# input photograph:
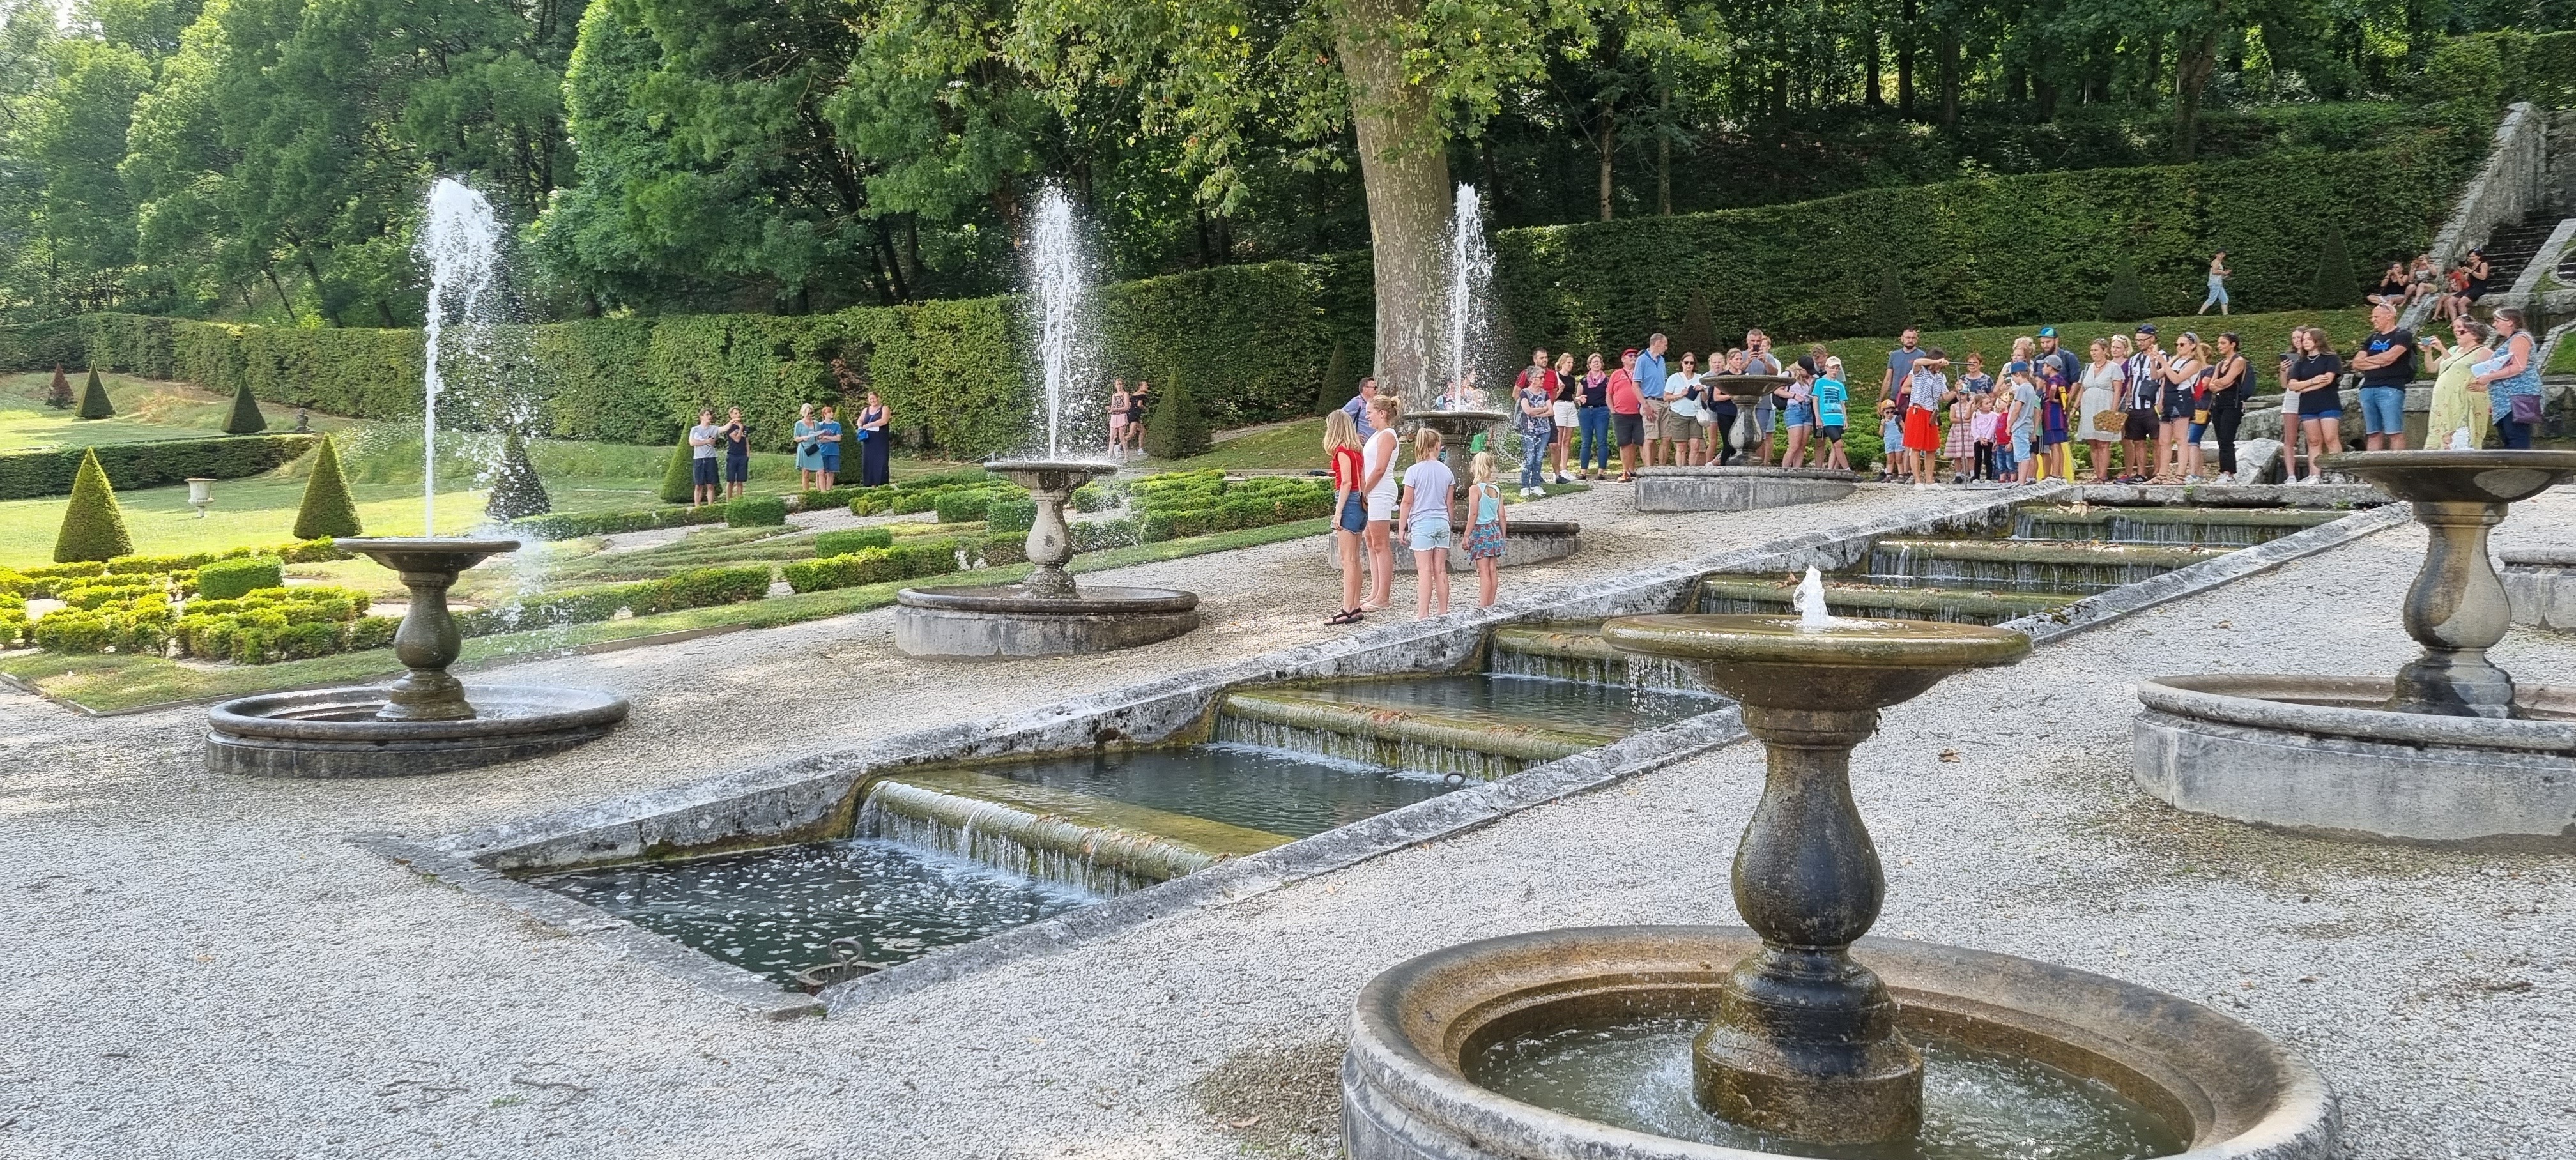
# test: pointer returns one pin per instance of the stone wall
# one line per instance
(2513, 185)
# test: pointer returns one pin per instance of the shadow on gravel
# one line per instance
(1278, 1101)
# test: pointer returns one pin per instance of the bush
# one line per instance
(1888, 313)
(1175, 428)
(873, 566)
(93, 528)
(679, 477)
(94, 404)
(963, 506)
(574, 525)
(2336, 285)
(1010, 515)
(1099, 497)
(33, 474)
(59, 395)
(696, 588)
(843, 543)
(1336, 387)
(327, 511)
(278, 624)
(756, 511)
(225, 579)
(245, 418)
(517, 492)
(2126, 301)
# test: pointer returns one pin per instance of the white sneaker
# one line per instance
(2227, 477)
(2314, 478)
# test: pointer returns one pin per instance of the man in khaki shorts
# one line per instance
(1650, 372)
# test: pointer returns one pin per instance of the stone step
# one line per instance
(1399, 736)
(1046, 833)
(1723, 594)
(1574, 651)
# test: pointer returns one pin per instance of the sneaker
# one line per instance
(1561, 481)
(2191, 479)
(2226, 477)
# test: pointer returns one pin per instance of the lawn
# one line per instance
(146, 410)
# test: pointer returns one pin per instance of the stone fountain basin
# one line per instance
(334, 733)
(999, 622)
(2324, 755)
(1524, 542)
(1736, 489)
(2224, 1086)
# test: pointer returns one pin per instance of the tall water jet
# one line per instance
(1046, 614)
(1471, 278)
(460, 243)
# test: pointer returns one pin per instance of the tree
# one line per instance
(93, 528)
(679, 478)
(1888, 313)
(1699, 327)
(246, 418)
(94, 404)
(327, 509)
(1334, 391)
(518, 490)
(59, 395)
(2336, 284)
(1174, 426)
(2126, 300)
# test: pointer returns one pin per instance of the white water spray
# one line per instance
(1471, 274)
(1058, 284)
(1810, 603)
(461, 244)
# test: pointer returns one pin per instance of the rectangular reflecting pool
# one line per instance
(1512, 699)
(1274, 790)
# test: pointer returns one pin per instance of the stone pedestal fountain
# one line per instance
(1802, 1036)
(425, 722)
(1046, 614)
(2449, 751)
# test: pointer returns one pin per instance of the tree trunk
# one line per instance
(1607, 142)
(1905, 64)
(1664, 158)
(1405, 174)
(1949, 79)
(1869, 85)
(2191, 78)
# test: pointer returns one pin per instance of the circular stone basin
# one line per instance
(991, 623)
(2458, 476)
(335, 733)
(1735, 489)
(1594, 1027)
(1847, 662)
(2325, 755)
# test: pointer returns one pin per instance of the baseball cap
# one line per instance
(1631, 352)
(2146, 328)
(2048, 332)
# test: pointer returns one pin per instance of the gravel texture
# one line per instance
(203, 967)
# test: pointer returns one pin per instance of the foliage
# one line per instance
(842, 543)
(245, 418)
(696, 588)
(29, 474)
(94, 404)
(59, 395)
(1010, 515)
(327, 509)
(271, 624)
(756, 511)
(573, 525)
(1888, 313)
(93, 527)
(679, 476)
(517, 491)
(873, 566)
(226, 579)
(2126, 300)
(2336, 284)
(1175, 427)
(1331, 391)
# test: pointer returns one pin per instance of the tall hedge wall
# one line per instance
(29, 474)
(1251, 341)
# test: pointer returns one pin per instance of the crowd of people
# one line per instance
(2455, 292)
(720, 453)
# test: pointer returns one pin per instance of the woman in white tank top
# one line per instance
(1378, 480)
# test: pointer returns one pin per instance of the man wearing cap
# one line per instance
(1627, 427)
(1649, 373)
(2146, 368)
(1758, 360)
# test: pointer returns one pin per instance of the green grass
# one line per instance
(106, 682)
(1294, 446)
(146, 410)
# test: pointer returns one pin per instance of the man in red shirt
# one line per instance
(1627, 418)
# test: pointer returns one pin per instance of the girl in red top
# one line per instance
(1350, 507)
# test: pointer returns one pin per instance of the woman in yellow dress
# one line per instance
(2459, 400)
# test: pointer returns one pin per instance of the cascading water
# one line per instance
(1059, 284)
(460, 241)
(1471, 277)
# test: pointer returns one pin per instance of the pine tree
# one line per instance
(1888, 314)
(2336, 285)
(327, 509)
(59, 396)
(1174, 428)
(245, 419)
(94, 404)
(1699, 327)
(93, 528)
(518, 491)
(2127, 299)
(679, 480)
(1337, 387)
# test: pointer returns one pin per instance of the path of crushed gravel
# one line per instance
(203, 967)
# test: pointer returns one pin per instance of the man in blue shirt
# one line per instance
(1357, 408)
(1650, 388)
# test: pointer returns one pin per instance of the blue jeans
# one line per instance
(2517, 436)
(2383, 410)
(1595, 431)
(1533, 459)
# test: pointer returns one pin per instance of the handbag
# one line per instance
(2526, 408)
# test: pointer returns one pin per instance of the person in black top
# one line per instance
(2386, 361)
(2393, 288)
(2313, 374)
(737, 454)
(2230, 375)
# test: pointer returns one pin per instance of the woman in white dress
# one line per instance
(2099, 418)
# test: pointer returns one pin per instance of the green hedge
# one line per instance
(33, 474)
(575, 525)
(756, 511)
(281, 624)
(697, 588)
(1010, 515)
(873, 566)
(843, 543)
(226, 579)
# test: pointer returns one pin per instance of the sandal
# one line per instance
(1345, 616)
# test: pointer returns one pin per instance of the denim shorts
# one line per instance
(1429, 532)
(2383, 410)
(1798, 415)
(2021, 443)
(1354, 512)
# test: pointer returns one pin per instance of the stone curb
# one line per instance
(2096, 610)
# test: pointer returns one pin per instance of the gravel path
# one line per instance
(204, 968)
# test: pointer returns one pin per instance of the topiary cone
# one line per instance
(1335, 389)
(1174, 426)
(93, 528)
(94, 404)
(327, 510)
(679, 480)
(517, 491)
(245, 419)
(59, 396)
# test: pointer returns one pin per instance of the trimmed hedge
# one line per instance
(843, 543)
(280, 624)
(227, 579)
(575, 525)
(697, 588)
(93, 527)
(1010, 515)
(326, 509)
(35, 474)
(757, 511)
(873, 566)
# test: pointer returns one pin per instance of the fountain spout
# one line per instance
(1810, 603)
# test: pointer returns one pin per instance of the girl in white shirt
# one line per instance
(1425, 522)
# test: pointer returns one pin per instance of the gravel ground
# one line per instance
(203, 967)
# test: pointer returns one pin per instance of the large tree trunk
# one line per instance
(1949, 79)
(1664, 158)
(1606, 139)
(1905, 63)
(2191, 78)
(1406, 175)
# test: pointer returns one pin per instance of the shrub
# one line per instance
(226, 579)
(679, 477)
(958, 507)
(72, 631)
(1175, 428)
(2336, 285)
(327, 511)
(245, 418)
(1100, 496)
(94, 404)
(696, 588)
(517, 492)
(1336, 387)
(2126, 300)
(574, 525)
(93, 528)
(1010, 515)
(757, 511)
(59, 395)
(843, 543)
(31, 474)
(1888, 313)
(1095, 535)
(873, 566)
